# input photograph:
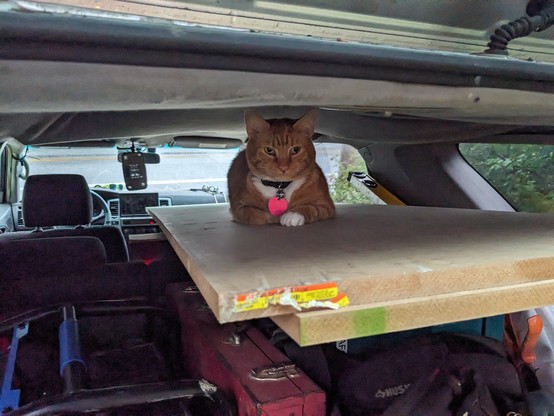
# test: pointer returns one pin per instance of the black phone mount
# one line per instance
(134, 169)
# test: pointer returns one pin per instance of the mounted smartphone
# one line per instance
(134, 170)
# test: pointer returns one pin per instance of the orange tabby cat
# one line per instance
(276, 179)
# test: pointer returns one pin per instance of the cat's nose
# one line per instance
(283, 168)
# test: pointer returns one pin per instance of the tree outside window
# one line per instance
(522, 173)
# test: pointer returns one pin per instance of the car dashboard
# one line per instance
(128, 210)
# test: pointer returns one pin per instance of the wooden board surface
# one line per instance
(311, 328)
(375, 254)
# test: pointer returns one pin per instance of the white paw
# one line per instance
(292, 219)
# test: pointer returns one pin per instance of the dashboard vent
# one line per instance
(114, 207)
(165, 202)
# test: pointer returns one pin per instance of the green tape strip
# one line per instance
(363, 323)
(369, 322)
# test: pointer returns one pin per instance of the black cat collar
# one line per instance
(278, 185)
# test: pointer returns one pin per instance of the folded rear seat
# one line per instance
(39, 272)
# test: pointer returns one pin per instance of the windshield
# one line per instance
(181, 169)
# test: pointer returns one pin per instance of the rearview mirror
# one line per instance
(195, 142)
(148, 158)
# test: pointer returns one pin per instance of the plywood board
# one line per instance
(374, 254)
(311, 328)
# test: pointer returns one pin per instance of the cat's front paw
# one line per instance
(292, 219)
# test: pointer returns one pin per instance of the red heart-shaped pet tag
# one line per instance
(277, 207)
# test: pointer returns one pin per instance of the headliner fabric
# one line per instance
(54, 200)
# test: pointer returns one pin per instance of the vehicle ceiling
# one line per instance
(70, 79)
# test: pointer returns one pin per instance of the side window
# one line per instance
(522, 173)
(336, 161)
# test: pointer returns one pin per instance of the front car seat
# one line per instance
(65, 200)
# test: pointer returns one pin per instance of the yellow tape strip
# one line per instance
(300, 294)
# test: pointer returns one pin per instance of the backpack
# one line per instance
(431, 374)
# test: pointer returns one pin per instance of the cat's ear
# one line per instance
(307, 122)
(255, 124)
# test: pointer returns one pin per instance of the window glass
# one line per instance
(183, 170)
(347, 160)
(522, 173)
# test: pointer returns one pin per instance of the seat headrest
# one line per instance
(51, 200)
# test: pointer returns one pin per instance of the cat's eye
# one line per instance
(270, 150)
(294, 150)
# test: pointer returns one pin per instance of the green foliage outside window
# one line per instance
(341, 189)
(523, 174)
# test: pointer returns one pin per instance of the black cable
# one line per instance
(542, 17)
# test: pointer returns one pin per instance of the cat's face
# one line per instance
(280, 149)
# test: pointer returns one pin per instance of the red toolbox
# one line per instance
(240, 360)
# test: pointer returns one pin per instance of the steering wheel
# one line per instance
(105, 213)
